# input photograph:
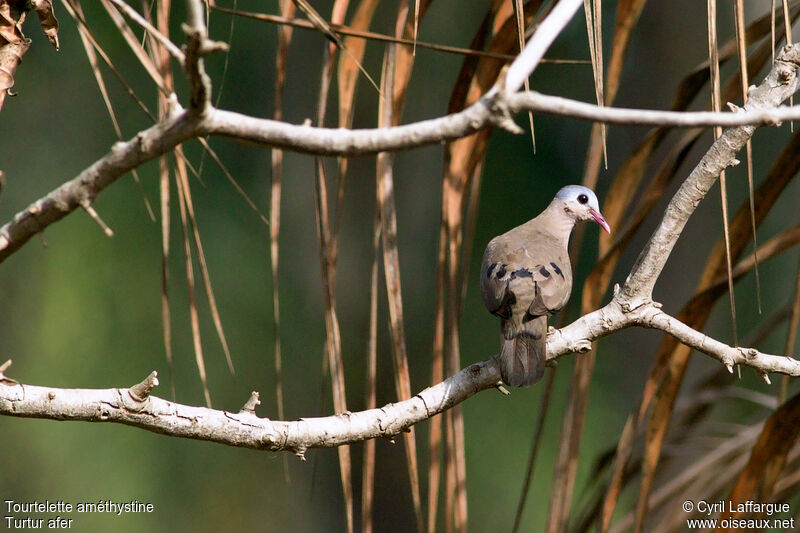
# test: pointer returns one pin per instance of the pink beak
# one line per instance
(600, 220)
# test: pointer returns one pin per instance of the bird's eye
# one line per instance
(583, 198)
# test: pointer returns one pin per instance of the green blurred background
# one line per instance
(84, 310)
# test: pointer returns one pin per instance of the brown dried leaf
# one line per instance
(163, 72)
(11, 19)
(673, 357)
(627, 180)
(337, 16)
(281, 60)
(195, 321)
(405, 28)
(165, 231)
(594, 27)
(156, 74)
(47, 19)
(774, 246)
(212, 302)
(767, 459)
(741, 47)
(328, 247)
(348, 80)
(628, 12)
(6, 79)
(368, 473)
(348, 70)
(333, 339)
(376, 36)
(716, 106)
(75, 10)
(787, 22)
(462, 157)
(437, 375)
(10, 57)
(13, 45)
(391, 267)
(520, 19)
(325, 28)
(86, 32)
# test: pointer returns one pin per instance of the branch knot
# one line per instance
(140, 392)
(500, 114)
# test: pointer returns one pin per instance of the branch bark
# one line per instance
(180, 127)
(136, 407)
(779, 85)
(630, 306)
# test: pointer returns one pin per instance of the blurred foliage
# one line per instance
(84, 310)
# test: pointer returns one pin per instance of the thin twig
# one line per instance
(352, 32)
(132, 14)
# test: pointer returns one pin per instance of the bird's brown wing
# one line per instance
(552, 286)
(497, 297)
(525, 271)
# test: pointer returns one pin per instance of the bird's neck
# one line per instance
(557, 221)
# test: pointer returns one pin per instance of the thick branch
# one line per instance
(485, 113)
(779, 85)
(244, 429)
(163, 137)
(340, 141)
(136, 407)
(617, 315)
(727, 355)
(197, 46)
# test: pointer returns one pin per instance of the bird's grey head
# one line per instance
(581, 203)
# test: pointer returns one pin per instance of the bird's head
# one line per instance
(581, 204)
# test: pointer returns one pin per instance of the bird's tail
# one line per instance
(523, 354)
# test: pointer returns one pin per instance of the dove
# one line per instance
(526, 276)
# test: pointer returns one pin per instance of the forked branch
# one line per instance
(631, 306)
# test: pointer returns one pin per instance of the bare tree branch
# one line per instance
(136, 407)
(618, 314)
(779, 85)
(631, 306)
(556, 105)
(163, 137)
(490, 110)
(197, 46)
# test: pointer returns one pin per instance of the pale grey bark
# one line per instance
(632, 305)
(136, 407)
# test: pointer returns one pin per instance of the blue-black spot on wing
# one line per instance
(521, 273)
